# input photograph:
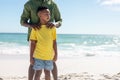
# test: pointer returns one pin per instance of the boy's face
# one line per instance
(44, 15)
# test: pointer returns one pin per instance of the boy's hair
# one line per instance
(41, 8)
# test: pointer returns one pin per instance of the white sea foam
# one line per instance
(66, 49)
(13, 48)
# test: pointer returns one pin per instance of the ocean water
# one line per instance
(70, 45)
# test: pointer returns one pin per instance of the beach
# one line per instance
(14, 67)
(80, 57)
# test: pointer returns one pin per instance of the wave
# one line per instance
(68, 45)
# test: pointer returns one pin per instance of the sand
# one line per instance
(14, 67)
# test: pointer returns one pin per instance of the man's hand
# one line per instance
(50, 25)
(34, 26)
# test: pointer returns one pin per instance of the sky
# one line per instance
(79, 16)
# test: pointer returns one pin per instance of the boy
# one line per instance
(30, 20)
(43, 49)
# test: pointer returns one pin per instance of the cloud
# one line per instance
(110, 4)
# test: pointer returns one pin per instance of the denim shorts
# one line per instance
(43, 64)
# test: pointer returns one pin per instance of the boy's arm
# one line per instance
(55, 50)
(32, 48)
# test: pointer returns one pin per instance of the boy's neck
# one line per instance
(43, 22)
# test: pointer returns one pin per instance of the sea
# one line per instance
(69, 45)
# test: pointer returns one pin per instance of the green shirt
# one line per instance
(29, 14)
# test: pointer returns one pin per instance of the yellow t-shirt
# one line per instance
(44, 46)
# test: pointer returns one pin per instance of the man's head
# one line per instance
(43, 14)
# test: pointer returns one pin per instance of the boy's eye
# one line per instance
(47, 14)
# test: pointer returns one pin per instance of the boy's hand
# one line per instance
(55, 59)
(31, 61)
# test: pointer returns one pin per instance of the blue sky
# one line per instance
(79, 16)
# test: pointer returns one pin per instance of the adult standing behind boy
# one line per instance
(30, 19)
(44, 47)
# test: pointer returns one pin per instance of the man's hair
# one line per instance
(41, 8)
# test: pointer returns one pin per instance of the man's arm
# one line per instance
(55, 50)
(57, 16)
(25, 17)
(32, 48)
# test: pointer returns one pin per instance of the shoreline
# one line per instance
(72, 76)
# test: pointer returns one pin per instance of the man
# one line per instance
(30, 19)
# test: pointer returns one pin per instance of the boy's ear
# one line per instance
(38, 14)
